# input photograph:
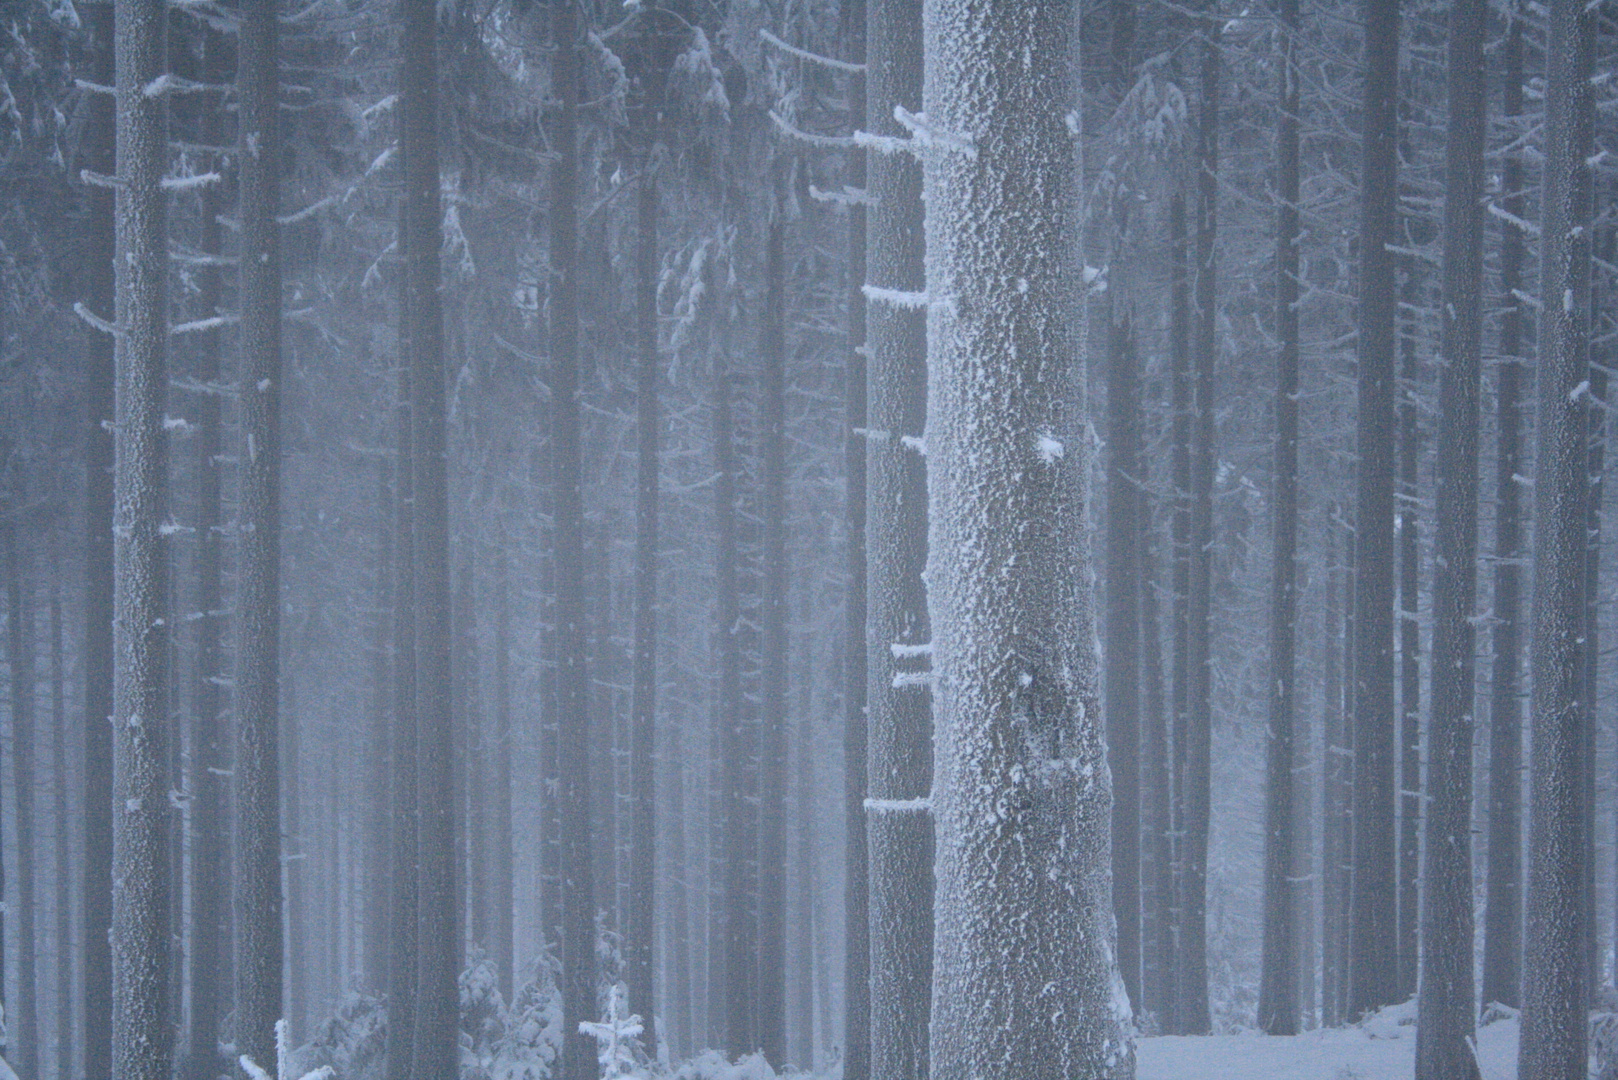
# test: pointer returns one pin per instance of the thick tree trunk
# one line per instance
(1556, 990)
(257, 881)
(573, 682)
(95, 937)
(1373, 958)
(772, 780)
(1502, 909)
(1446, 1009)
(856, 880)
(1278, 983)
(23, 1053)
(639, 936)
(1020, 797)
(898, 639)
(142, 1038)
(435, 1047)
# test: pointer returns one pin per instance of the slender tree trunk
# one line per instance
(856, 888)
(1407, 502)
(142, 1039)
(435, 1042)
(95, 938)
(257, 881)
(899, 832)
(500, 818)
(1199, 690)
(1180, 578)
(1335, 837)
(23, 1053)
(1157, 937)
(63, 846)
(1373, 957)
(470, 771)
(1555, 990)
(1446, 1009)
(1278, 985)
(573, 682)
(379, 743)
(1592, 633)
(1502, 910)
(1020, 797)
(639, 936)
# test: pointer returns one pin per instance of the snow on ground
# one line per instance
(1383, 1048)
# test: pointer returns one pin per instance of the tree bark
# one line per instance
(1180, 579)
(502, 867)
(1373, 958)
(1335, 790)
(23, 1052)
(1446, 1008)
(1278, 984)
(1020, 798)
(63, 858)
(257, 881)
(899, 832)
(142, 1038)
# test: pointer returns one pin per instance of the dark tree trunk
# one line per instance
(1278, 985)
(1446, 1009)
(1335, 795)
(899, 832)
(210, 732)
(63, 858)
(257, 880)
(435, 1047)
(142, 1038)
(573, 681)
(98, 591)
(23, 1052)
(1502, 910)
(1373, 956)
(471, 762)
(1194, 1017)
(1556, 991)
(639, 937)
(501, 859)
(1407, 515)
(378, 747)
(1157, 909)
(1180, 578)
(856, 896)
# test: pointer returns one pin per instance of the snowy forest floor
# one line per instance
(1382, 1048)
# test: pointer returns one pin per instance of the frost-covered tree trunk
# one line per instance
(23, 1018)
(899, 758)
(210, 751)
(142, 1036)
(856, 881)
(577, 885)
(1024, 929)
(1373, 967)
(435, 1047)
(1502, 908)
(641, 928)
(1446, 1017)
(1555, 987)
(772, 781)
(95, 933)
(257, 880)
(1278, 980)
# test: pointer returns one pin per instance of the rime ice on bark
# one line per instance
(1025, 980)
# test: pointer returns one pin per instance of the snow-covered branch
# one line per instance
(813, 58)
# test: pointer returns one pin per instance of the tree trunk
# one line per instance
(1555, 990)
(1407, 516)
(1180, 579)
(1021, 795)
(142, 1038)
(378, 743)
(573, 682)
(1334, 789)
(63, 858)
(1157, 925)
(470, 772)
(899, 833)
(1446, 1009)
(257, 881)
(501, 876)
(98, 272)
(1502, 909)
(1278, 985)
(1194, 1017)
(856, 880)
(1373, 958)
(639, 936)
(23, 1052)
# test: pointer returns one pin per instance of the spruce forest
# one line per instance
(850, 539)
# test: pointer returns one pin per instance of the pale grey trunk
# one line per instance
(1023, 907)
(1555, 990)
(257, 880)
(23, 1052)
(142, 1038)
(501, 858)
(899, 752)
(1446, 1008)
(63, 846)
